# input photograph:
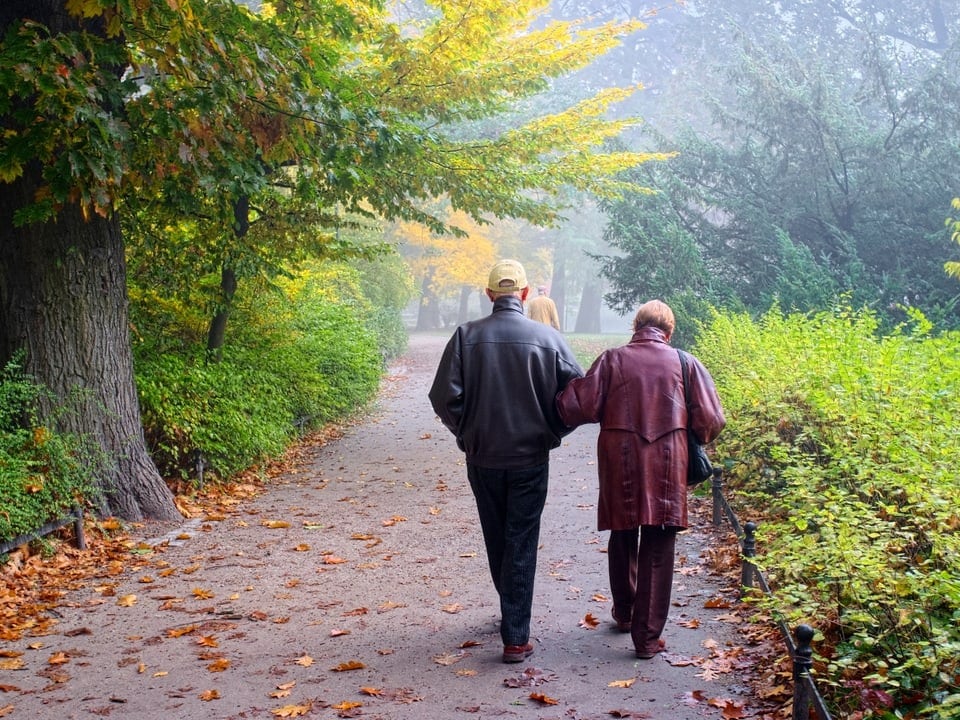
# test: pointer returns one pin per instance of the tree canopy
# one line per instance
(287, 115)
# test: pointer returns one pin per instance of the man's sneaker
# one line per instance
(517, 653)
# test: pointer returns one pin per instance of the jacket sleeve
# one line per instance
(706, 414)
(446, 393)
(581, 401)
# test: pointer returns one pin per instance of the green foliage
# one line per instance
(844, 443)
(43, 474)
(305, 355)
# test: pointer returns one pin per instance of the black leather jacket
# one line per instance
(496, 386)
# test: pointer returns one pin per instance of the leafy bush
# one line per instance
(42, 473)
(844, 444)
(299, 356)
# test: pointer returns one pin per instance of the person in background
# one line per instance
(636, 394)
(543, 309)
(495, 389)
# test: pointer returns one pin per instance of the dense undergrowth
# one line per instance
(302, 352)
(843, 445)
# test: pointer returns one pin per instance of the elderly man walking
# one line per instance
(495, 390)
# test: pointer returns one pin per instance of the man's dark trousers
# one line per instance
(510, 503)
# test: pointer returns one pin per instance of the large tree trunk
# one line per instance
(63, 298)
(588, 316)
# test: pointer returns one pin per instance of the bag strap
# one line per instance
(685, 377)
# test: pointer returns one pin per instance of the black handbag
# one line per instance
(699, 467)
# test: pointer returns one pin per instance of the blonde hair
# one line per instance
(655, 313)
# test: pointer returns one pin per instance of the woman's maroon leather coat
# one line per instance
(635, 392)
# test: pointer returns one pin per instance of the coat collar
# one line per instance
(649, 334)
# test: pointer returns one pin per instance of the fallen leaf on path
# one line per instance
(336, 632)
(692, 623)
(127, 601)
(202, 593)
(6, 710)
(275, 524)
(732, 710)
(218, 665)
(543, 699)
(589, 622)
(292, 710)
(347, 705)
(208, 695)
(305, 660)
(59, 658)
(356, 612)
(208, 641)
(452, 608)
(14, 664)
(179, 632)
(333, 560)
(469, 644)
(622, 683)
(349, 665)
(389, 605)
(302, 547)
(449, 658)
(597, 597)
(717, 603)
(375, 692)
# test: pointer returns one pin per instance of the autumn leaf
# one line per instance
(218, 665)
(13, 664)
(717, 603)
(732, 710)
(622, 683)
(288, 711)
(275, 524)
(59, 658)
(372, 691)
(302, 547)
(283, 691)
(179, 632)
(598, 597)
(333, 560)
(127, 601)
(452, 608)
(305, 660)
(349, 665)
(208, 641)
(543, 699)
(208, 695)
(347, 705)
(449, 658)
(356, 612)
(6, 710)
(589, 622)
(692, 623)
(202, 593)
(469, 644)
(337, 632)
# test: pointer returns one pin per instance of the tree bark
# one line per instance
(63, 298)
(588, 316)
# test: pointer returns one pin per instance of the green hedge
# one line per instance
(843, 444)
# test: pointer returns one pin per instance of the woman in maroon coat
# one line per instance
(636, 394)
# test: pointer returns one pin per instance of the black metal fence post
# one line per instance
(749, 551)
(802, 662)
(717, 489)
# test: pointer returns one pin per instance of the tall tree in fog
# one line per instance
(821, 156)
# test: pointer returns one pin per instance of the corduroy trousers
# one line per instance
(641, 581)
(510, 503)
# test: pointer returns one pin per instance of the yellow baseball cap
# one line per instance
(507, 276)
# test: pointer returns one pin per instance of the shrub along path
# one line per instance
(355, 585)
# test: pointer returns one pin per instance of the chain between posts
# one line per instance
(806, 696)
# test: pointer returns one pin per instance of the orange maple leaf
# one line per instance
(349, 665)
(179, 632)
(208, 695)
(202, 593)
(589, 622)
(208, 641)
(275, 524)
(306, 661)
(347, 705)
(218, 665)
(127, 601)
(544, 699)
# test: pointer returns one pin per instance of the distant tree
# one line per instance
(826, 167)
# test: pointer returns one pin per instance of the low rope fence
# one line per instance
(806, 696)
